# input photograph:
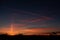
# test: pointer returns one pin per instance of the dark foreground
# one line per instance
(25, 37)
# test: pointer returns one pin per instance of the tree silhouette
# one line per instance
(53, 33)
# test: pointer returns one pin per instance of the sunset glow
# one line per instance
(29, 17)
(12, 30)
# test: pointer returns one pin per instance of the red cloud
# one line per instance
(43, 18)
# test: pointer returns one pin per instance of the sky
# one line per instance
(38, 16)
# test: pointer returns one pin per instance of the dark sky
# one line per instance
(30, 14)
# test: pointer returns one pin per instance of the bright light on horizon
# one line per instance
(12, 30)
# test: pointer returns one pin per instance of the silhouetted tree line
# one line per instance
(25, 37)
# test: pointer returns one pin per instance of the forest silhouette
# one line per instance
(53, 35)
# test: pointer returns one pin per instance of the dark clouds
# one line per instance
(32, 13)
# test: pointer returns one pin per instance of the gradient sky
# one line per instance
(30, 14)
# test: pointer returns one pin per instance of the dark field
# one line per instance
(28, 37)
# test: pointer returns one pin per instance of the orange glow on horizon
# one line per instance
(12, 30)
